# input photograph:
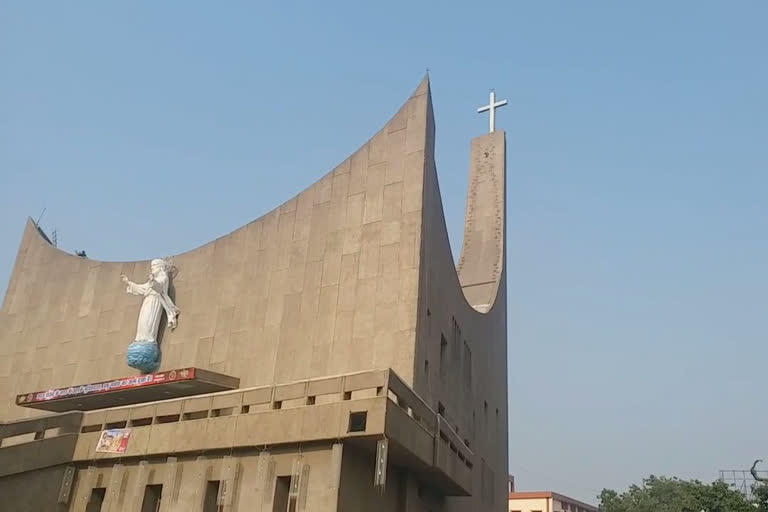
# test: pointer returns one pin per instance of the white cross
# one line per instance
(492, 106)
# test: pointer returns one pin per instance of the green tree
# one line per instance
(760, 492)
(662, 494)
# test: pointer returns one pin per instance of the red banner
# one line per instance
(109, 386)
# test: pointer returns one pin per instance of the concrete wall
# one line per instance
(325, 284)
(32, 491)
(357, 491)
(461, 350)
(403, 492)
(531, 505)
(253, 489)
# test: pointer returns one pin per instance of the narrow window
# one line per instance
(141, 422)
(211, 496)
(443, 355)
(282, 490)
(96, 499)
(455, 346)
(171, 418)
(152, 495)
(357, 421)
(467, 368)
(196, 415)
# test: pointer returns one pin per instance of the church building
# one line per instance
(328, 356)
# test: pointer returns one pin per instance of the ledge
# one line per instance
(129, 390)
(311, 411)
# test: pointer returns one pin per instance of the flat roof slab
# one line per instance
(129, 390)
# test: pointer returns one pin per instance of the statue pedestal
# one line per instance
(150, 387)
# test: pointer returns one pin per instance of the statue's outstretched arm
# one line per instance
(131, 287)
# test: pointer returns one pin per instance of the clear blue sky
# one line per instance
(638, 172)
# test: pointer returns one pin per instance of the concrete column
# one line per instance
(135, 497)
(114, 496)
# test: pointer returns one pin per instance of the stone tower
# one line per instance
(329, 356)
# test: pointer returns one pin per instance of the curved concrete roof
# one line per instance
(338, 278)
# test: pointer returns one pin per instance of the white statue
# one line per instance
(156, 300)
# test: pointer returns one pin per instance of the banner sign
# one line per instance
(139, 381)
(114, 440)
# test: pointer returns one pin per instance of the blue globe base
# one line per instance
(144, 356)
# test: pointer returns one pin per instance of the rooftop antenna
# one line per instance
(54, 236)
(37, 223)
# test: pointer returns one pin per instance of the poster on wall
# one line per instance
(114, 440)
